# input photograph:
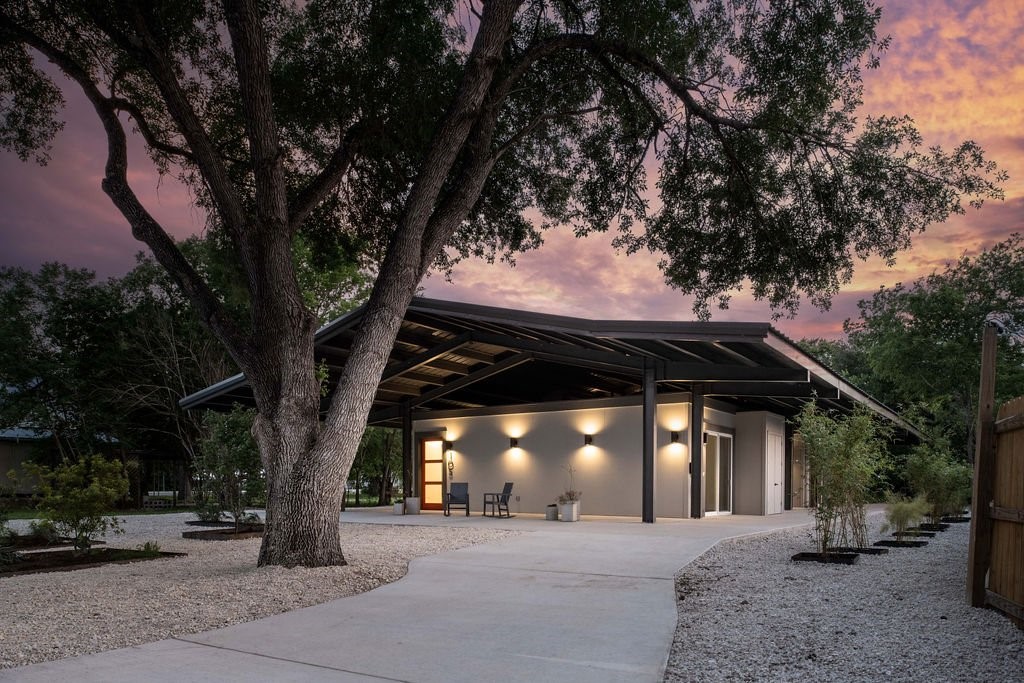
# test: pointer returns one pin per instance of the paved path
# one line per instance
(591, 601)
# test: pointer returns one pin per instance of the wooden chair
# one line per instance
(498, 502)
(456, 497)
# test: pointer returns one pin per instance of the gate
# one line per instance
(997, 511)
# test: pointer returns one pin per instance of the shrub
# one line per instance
(75, 496)
(150, 548)
(944, 482)
(903, 513)
(845, 456)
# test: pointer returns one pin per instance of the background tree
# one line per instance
(228, 464)
(378, 462)
(58, 347)
(922, 341)
(419, 132)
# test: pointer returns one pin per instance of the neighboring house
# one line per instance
(18, 446)
(670, 419)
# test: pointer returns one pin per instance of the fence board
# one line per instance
(1006, 562)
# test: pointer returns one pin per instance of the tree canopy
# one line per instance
(922, 340)
(722, 135)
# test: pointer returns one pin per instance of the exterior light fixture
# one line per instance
(704, 437)
(448, 446)
(513, 442)
(588, 439)
(674, 436)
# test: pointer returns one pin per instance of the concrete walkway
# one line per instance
(591, 601)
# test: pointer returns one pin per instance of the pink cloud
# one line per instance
(955, 67)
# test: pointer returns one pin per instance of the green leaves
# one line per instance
(76, 497)
(228, 463)
(845, 455)
(922, 340)
(29, 102)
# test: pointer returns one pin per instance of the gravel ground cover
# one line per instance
(747, 613)
(56, 615)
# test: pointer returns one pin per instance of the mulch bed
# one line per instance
(829, 558)
(218, 524)
(70, 560)
(870, 550)
(902, 544)
(246, 531)
(37, 543)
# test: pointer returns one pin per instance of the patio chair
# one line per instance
(498, 502)
(456, 497)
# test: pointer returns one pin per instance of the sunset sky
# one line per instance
(956, 67)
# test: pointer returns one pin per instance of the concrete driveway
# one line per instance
(588, 601)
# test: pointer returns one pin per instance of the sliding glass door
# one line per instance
(717, 474)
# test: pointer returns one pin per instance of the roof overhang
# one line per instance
(457, 356)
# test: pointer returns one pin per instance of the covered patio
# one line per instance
(672, 387)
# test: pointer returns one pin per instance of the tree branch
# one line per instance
(249, 45)
(329, 178)
(536, 123)
(115, 184)
(147, 132)
(144, 47)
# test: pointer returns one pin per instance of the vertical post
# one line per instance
(407, 449)
(979, 553)
(696, 451)
(787, 502)
(650, 392)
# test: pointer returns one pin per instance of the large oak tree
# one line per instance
(720, 134)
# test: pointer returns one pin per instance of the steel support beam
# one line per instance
(696, 451)
(426, 357)
(715, 372)
(472, 378)
(407, 449)
(650, 394)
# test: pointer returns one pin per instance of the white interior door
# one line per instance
(774, 482)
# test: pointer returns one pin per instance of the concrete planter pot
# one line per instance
(551, 513)
(399, 508)
(569, 512)
(412, 505)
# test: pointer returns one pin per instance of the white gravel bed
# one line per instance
(748, 613)
(64, 614)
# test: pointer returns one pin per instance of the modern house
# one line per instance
(656, 419)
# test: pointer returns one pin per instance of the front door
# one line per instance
(432, 467)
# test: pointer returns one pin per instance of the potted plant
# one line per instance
(399, 507)
(569, 500)
(900, 515)
(844, 454)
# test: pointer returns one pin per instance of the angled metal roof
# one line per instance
(24, 434)
(459, 356)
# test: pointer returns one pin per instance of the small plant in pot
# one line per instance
(900, 514)
(569, 500)
(845, 455)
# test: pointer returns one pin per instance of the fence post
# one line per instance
(980, 551)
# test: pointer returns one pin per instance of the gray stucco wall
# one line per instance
(608, 472)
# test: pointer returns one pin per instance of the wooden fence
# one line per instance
(997, 528)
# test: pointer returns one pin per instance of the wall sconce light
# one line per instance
(588, 439)
(674, 437)
(513, 442)
(704, 437)
(448, 446)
